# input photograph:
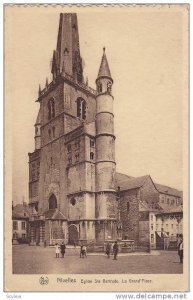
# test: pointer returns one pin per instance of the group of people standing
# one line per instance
(60, 249)
(112, 248)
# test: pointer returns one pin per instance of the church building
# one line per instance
(72, 192)
(75, 194)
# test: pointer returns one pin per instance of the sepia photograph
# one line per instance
(96, 148)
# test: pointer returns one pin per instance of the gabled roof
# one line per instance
(168, 190)
(54, 214)
(131, 183)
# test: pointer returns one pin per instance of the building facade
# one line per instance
(72, 193)
(145, 217)
(20, 223)
(75, 194)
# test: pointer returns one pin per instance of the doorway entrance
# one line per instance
(72, 235)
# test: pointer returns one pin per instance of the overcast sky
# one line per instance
(145, 51)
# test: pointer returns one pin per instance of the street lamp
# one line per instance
(119, 223)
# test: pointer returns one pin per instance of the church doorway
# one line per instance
(72, 235)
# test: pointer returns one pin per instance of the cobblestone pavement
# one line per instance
(39, 260)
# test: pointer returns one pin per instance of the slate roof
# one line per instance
(168, 190)
(130, 182)
(18, 216)
(169, 210)
(104, 67)
(20, 211)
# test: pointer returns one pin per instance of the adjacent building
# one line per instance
(146, 218)
(20, 222)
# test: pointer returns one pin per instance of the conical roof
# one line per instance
(104, 70)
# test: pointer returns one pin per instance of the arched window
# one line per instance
(52, 202)
(51, 109)
(91, 155)
(81, 108)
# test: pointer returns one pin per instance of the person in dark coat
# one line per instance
(115, 250)
(108, 249)
(180, 250)
(62, 249)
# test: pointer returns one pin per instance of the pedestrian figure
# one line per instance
(115, 251)
(62, 249)
(74, 244)
(81, 251)
(44, 243)
(57, 248)
(84, 251)
(108, 249)
(112, 248)
(180, 250)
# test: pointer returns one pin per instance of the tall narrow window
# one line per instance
(69, 147)
(49, 133)
(53, 132)
(15, 225)
(81, 108)
(91, 143)
(51, 109)
(128, 206)
(91, 155)
(77, 157)
(23, 225)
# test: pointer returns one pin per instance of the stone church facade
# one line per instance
(72, 170)
(75, 194)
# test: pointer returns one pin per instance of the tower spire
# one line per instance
(67, 53)
(104, 70)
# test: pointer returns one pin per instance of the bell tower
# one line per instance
(105, 154)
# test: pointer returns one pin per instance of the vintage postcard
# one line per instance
(96, 148)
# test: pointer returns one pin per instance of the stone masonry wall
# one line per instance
(129, 204)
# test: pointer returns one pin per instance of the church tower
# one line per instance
(72, 169)
(106, 204)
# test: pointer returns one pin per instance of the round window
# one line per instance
(73, 201)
